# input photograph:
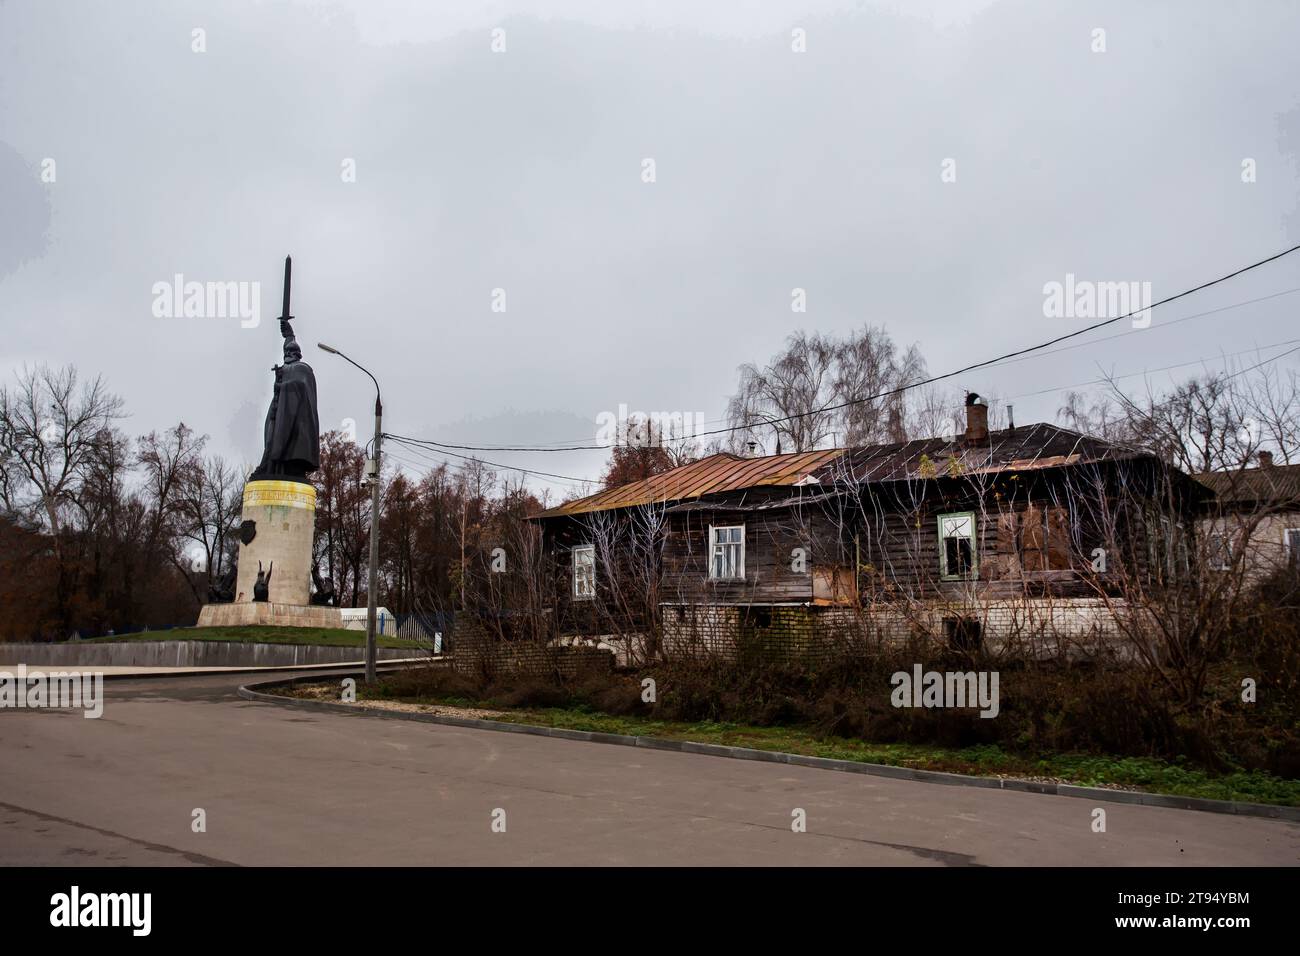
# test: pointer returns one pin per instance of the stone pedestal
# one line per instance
(263, 613)
(285, 516)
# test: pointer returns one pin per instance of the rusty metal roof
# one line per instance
(1267, 484)
(717, 473)
(1027, 448)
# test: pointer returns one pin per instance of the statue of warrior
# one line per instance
(262, 586)
(291, 435)
(324, 595)
(222, 591)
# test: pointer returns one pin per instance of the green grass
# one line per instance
(1130, 773)
(262, 634)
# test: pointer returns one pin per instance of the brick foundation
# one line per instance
(480, 652)
(1035, 627)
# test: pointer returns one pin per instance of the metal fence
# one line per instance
(429, 631)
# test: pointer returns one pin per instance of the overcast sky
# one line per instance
(522, 169)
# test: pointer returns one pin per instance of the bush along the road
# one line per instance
(1086, 722)
(1233, 714)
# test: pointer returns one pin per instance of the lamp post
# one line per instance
(372, 473)
(775, 430)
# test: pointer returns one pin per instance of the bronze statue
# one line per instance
(291, 435)
(262, 586)
(222, 591)
(324, 595)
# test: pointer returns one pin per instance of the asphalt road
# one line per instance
(283, 786)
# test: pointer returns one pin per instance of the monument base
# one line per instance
(266, 613)
(282, 518)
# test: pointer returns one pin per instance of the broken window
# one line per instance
(957, 554)
(727, 550)
(964, 634)
(584, 571)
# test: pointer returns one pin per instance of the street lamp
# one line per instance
(372, 474)
(776, 430)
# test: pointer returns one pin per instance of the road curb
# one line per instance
(256, 692)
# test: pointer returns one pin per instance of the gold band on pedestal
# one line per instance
(281, 494)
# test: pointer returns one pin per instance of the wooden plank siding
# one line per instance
(770, 560)
(1036, 534)
(1033, 538)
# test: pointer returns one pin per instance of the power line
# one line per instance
(417, 445)
(1163, 325)
(1166, 368)
(560, 445)
(414, 444)
(1032, 348)
(1006, 357)
(427, 464)
(416, 448)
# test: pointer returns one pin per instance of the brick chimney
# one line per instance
(1266, 459)
(977, 419)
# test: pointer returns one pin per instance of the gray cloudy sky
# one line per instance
(521, 170)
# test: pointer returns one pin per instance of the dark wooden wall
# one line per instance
(771, 537)
(1037, 532)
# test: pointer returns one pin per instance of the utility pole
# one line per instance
(372, 588)
(463, 514)
(372, 475)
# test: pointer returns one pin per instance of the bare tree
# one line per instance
(1270, 403)
(50, 429)
(787, 396)
(870, 370)
(209, 502)
(822, 388)
(1100, 417)
(1197, 426)
(1175, 584)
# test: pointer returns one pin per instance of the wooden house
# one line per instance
(982, 538)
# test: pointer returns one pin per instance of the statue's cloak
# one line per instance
(293, 446)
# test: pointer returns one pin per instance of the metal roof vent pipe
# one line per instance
(977, 419)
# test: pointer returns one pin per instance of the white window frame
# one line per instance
(972, 537)
(578, 594)
(1226, 552)
(1287, 555)
(1286, 539)
(1168, 538)
(738, 565)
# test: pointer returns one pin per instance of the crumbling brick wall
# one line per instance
(479, 651)
(1028, 627)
